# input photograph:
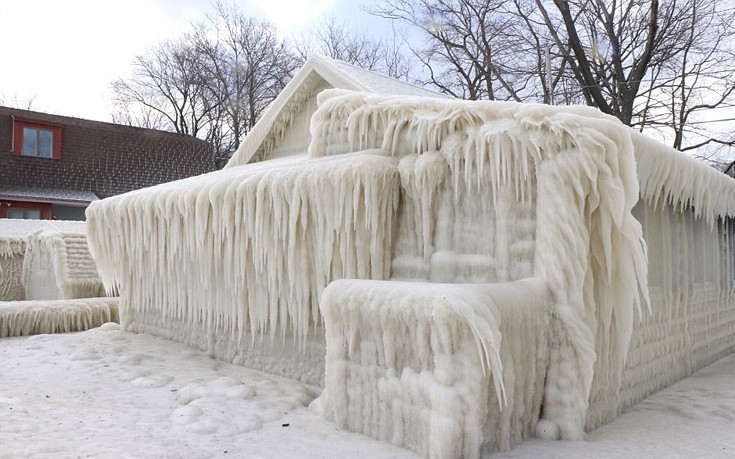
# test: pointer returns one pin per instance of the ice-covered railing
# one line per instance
(447, 370)
(589, 248)
(21, 318)
(246, 251)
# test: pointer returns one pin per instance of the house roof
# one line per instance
(47, 195)
(317, 72)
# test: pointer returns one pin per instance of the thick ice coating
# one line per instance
(582, 166)
(46, 260)
(246, 252)
(423, 364)
(20, 318)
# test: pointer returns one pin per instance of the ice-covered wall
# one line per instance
(588, 247)
(235, 261)
(691, 279)
(11, 268)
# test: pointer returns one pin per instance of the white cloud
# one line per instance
(65, 54)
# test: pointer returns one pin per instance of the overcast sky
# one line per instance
(63, 54)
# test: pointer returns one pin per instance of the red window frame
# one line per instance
(19, 124)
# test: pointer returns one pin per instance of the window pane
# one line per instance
(45, 139)
(29, 142)
(15, 213)
(32, 214)
(20, 213)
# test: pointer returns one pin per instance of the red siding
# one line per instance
(43, 207)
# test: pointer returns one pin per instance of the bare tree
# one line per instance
(166, 90)
(338, 41)
(16, 102)
(650, 63)
(692, 87)
(213, 83)
(472, 49)
(246, 66)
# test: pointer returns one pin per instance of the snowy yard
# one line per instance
(107, 393)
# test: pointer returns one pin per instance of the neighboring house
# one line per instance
(52, 167)
(283, 129)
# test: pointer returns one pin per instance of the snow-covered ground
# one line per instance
(107, 393)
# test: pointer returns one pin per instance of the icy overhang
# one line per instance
(669, 176)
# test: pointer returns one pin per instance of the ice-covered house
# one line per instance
(48, 279)
(475, 272)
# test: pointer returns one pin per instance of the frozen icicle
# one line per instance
(421, 177)
(260, 242)
(671, 177)
(11, 246)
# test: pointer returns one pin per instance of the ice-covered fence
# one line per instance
(446, 370)
(20, 318)
(234, 261)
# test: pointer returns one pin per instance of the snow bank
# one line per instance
(443, 369)
(19, 318)
(245, 252)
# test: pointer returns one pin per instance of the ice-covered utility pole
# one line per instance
(548, 75)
